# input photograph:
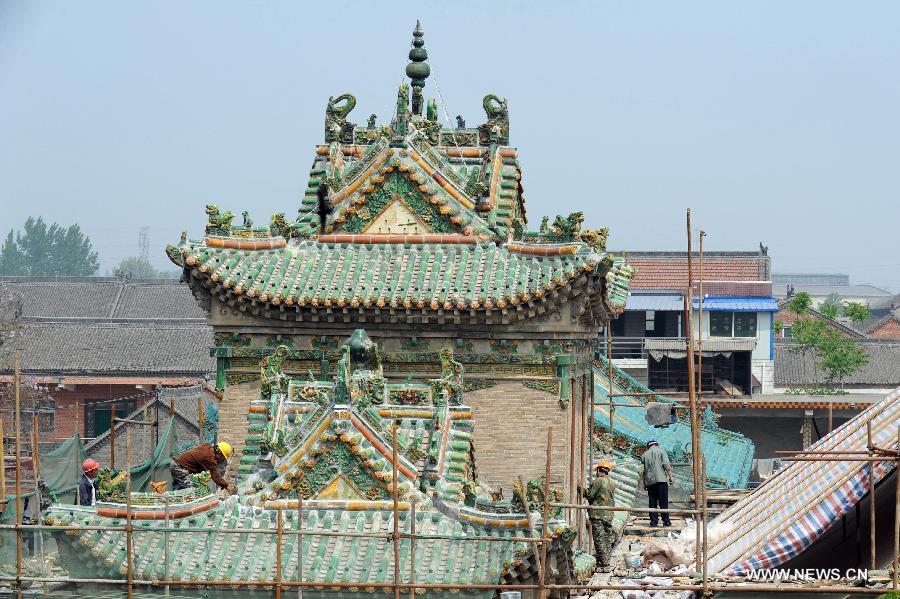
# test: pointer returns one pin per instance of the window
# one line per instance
(650, 322)
(786, 332)
(732, 324)
(745, 324)
(720, 323)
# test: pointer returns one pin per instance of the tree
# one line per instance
(48, 251)
(831, 306)
(830, 311)
(135, 267)
(856, 311)
(807, 334)
(800, 304)
(840, 357)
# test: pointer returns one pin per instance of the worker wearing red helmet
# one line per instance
(87, 484)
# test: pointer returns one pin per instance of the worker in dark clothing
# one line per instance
(87, 484)
(657, 477)
(602, 492)
(205, 458)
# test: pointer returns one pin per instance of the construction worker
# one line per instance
(657, 476)
(205, 458)
(602, 492)
(87, 484)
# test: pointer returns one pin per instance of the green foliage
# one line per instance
(814, 390)
(856, 311)
(48, 251)
(830, 311)
(807, 332)
(800, 304)
(840, 357)
(778, 326)
(135, 267)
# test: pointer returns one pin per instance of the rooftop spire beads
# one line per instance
(418, 70)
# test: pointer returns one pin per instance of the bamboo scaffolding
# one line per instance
(129, 547)
(895, 574)
(18, 422)
(872, 548)
(36, 469)
(700, 318)
(3, 463)
(545, 516)
(581, 458)
(299, 544)
(695, 432)
(714, 587)
(412, 550)
(396, 536)
(278, 549)
(112, 437)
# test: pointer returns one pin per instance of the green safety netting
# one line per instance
(60, 470)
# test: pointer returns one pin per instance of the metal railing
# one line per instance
(632, 347)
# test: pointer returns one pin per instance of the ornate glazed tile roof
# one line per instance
(728, 454)
(410, 215)
(455, 274)
(330, 443)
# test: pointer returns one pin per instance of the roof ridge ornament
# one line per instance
(418, 69)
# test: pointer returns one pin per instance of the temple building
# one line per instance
(417, 232)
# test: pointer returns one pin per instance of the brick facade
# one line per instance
(233, 419)
(511, 422)
(888, 328)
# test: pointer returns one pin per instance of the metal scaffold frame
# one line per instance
(539, 542)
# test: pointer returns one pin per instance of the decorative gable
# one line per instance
(397, 194)
(397, 218)
(336, 473)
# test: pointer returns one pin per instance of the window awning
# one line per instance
(724, 344)
(644, 302)
(738, 304)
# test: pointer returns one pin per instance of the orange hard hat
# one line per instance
(605, 464)
(89, 465)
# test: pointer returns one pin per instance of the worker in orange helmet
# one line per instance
(87, 484)
(602, 492)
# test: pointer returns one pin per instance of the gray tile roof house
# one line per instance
(105, 326)
(883, 370)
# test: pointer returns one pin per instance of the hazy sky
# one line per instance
(774, 121)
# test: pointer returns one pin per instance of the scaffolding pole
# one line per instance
(545, 515)
(699, 385)
(396, 536)
(695, 432)
(18, 423)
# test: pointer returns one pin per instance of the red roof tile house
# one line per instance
(886, 328)
(737, 321)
